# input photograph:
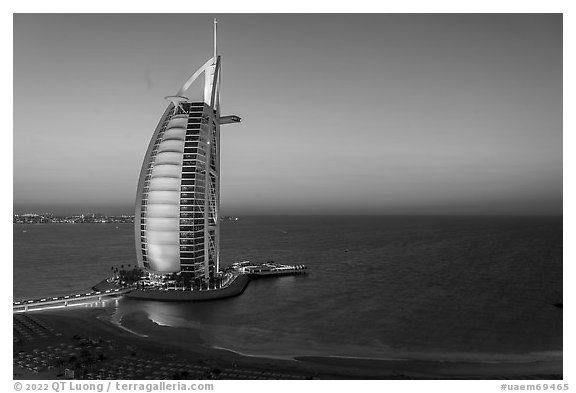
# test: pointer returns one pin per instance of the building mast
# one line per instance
(215, 41)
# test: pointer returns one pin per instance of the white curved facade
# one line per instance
(163, 218)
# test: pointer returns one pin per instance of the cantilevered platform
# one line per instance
(229, 119)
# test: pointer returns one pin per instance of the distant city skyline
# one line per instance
(341, 113)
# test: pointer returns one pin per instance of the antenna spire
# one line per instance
(215, 42)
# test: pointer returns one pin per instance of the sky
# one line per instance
(341, 114)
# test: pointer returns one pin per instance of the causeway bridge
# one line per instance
(66, 301)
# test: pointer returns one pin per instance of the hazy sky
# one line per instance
(381, 113)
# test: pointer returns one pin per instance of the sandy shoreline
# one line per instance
(140, 337)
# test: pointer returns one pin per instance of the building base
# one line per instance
(235, 288)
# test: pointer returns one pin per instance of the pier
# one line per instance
(266, 269)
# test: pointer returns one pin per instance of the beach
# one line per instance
(137, 348)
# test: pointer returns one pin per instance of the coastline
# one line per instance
(136, 334)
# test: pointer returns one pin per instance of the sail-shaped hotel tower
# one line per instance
(178, 198)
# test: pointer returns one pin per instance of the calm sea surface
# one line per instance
(381, 287)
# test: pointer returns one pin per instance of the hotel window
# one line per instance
(191, 254)
(184, 221)
(191, 195)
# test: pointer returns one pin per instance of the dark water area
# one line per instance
(380, 287)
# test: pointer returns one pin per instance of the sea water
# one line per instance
(376, 287)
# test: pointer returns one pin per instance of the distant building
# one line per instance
(178, 198)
